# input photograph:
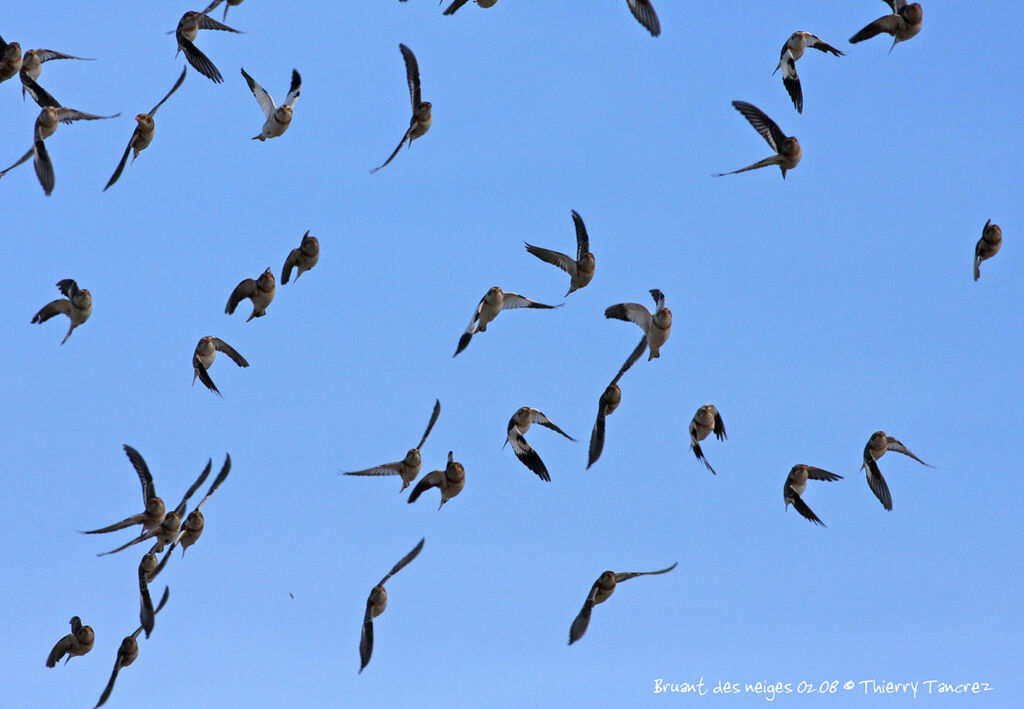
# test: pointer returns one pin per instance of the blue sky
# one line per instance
(811, 311)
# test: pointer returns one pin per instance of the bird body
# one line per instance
(259, 290)
(988, 245)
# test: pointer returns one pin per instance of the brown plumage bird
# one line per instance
(77, 306)
(656, 327)
(142, 136)
(449, 481)
(609, 401)
(188, 27)
(153, 507)
(409, 467)
(421, 119)
(705, 421)
(78, 642)
(988, 246)
(875, 448)
(303, 258)
(904, 22)
(796, 483)
(376, 603)
(792, 50)
(600, 592)
(787, 148)
(580, 269)
(127, 653)
(202, 359)
(259, 290)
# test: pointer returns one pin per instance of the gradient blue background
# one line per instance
(812, 311)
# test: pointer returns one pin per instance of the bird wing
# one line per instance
(221, 346)
(44, 166)
(888, 24)
(208, 23)
(625, 575)
(631, 360)
(142, 470)
(455, 6)
(894, 445)
(245, 289)
(395, 152)
(802, 507)
(180, 509)
(59, 650)
(538, 417)
(643, 11)
(385, 469)
(204, 375)
(555, 258)
(293, 90)
(199, 61)
(582, 620)
(122, 163)
(221, 477)
(819, 474)
(433, 419)
(582, 239)
(68, 115)
(526, 454)
(40, 95)
(434, 478)
(821, 46)
(876, 481)
(55, 307)
(174, 88)
(719, 428)
(514, 300)
(404, 561)
(412, 75)
(761, 123)
(366, 637)
(632, 312)
(262, 97)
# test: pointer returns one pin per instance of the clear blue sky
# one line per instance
(812, 311)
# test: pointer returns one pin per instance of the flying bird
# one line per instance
(278, 119)
(127, 653)
(45, 126)
(78, 642)
(303, 258)
(375, 605)
(600, 592)
(705, 421)
(787, 147)
(580, 269)
(609, 401)
(494, 301)
(796, 483)
(153, 507)
(449, 481)
(142, 136)
(188, 27)
(32, 67)
(656, 327)
(10, 59)
(902, 24)
(409, 467)
(792, 50)
(644, 13)
(988, 246)
(876, 447)
(77, 305)
(260, 291)
(518, 425)
(419, 124)
(206, 352)
(192, 527)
